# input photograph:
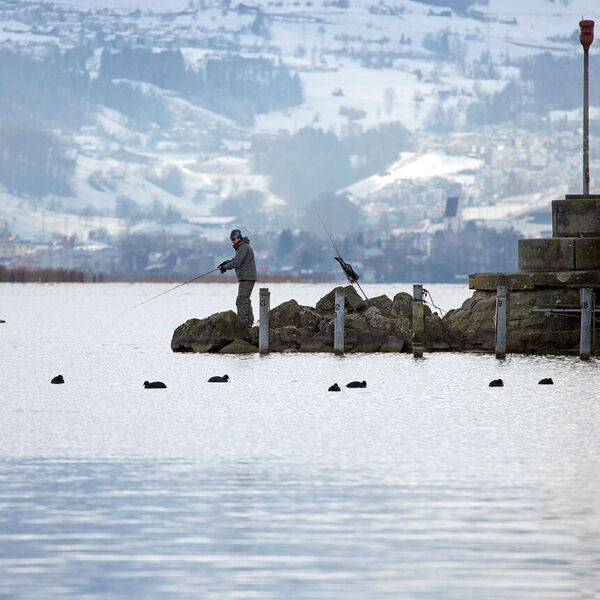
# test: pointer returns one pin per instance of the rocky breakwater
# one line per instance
(544, 298)
(531, 326)
(380, 324)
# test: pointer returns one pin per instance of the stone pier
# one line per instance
(551, 274)
(541, 307)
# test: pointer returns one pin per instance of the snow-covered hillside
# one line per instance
(372, 53)
(361, 64)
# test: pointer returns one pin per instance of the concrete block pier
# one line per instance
(576, 216)
(545, 312)
(575, 242)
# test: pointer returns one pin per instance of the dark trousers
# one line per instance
(243, 303)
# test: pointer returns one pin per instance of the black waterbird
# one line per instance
(357, 384)
(334, 388)
(57, 379)
(219, 379)
(154, 384)
(496, 383)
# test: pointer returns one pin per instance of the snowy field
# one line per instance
(326, 46)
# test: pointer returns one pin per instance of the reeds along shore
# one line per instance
(42, 275)
(75, 276)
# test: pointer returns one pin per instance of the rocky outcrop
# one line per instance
(292, 313)
(353, 302)
(239, 347)
(209, 335)
(380, 324)
(528, 331)
(384, 324)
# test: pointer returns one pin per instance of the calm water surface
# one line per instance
(427, 484)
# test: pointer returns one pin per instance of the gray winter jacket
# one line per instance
(243, 262)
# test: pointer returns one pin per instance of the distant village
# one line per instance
(447, 255)
(165, 130)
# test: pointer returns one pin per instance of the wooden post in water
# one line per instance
(338, 336)
(418, 321)
(263, 324)
(501, 293)
(585, 295)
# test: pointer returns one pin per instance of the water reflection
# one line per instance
(427, 484)
(152, 528)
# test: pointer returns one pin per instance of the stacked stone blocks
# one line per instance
(575, 242)
(550, 276)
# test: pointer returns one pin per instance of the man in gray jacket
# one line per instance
(245, 269)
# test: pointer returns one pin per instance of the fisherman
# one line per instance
(245, 269)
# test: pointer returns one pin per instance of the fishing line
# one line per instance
(428, 293)
(332, 242)
(171, 289)
(363, 292)
(350, 273)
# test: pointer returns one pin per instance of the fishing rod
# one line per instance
(171, 289)
(350, 273)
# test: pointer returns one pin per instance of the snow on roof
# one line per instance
(210, 220)
(413, 166)
(152, 227)
(509, 208)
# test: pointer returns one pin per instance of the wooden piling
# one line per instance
(585, 338)
(338, 338)
(418, 321)
(263, 326)
(501, 295)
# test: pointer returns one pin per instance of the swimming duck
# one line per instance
(57, 379)
(496, 383)
(357, 384)
(334, 388)
(219, 379)
(546, 381)
(154, 384)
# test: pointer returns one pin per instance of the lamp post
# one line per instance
(586, 37)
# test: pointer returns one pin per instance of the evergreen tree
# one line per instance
(286, 242)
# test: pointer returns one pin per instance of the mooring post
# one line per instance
(585, 295)
(338, 336)
(593, 319)
(501, 293)
(418, 321)
(263, 325)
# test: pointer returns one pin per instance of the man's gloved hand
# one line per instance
(221, 267)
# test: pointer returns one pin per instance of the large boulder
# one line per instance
(239, 347)
(402, 305)
(353, 302)
(393, 344)
(320, 342)
(210, 334)
(437, 335)
(397, 326)
(286, 338)
(291, 313)
(527, 331)
(369, 332)
(473, 322)
(383, 303)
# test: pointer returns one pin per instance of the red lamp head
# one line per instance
(586, 33)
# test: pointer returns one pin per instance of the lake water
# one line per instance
(426, 485)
